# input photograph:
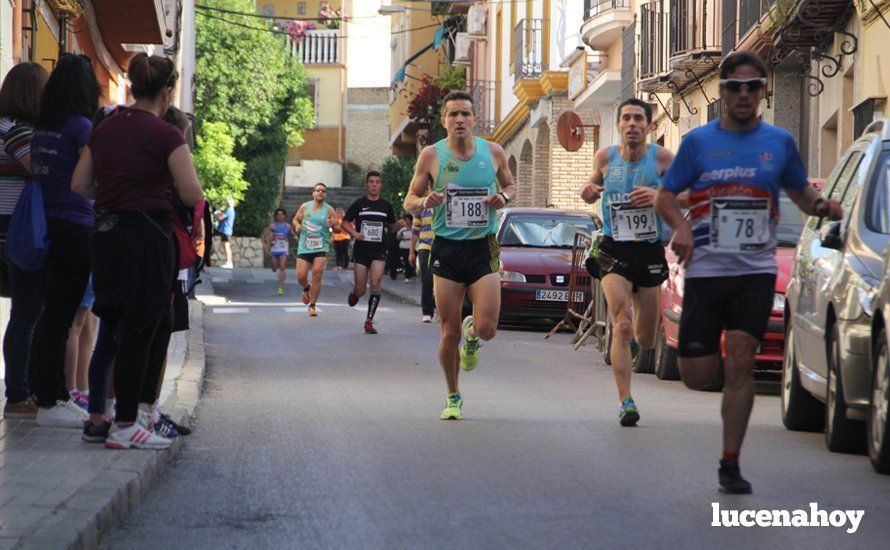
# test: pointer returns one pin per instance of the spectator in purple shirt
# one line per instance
(69, 100)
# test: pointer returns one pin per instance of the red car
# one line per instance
(536, 259)
(771, 352)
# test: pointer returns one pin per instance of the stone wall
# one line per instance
(246, 252)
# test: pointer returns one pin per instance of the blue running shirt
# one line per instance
(734, 180)
(621, 220)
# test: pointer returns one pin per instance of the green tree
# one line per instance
(246, 79)
(221, 174)
(397, 173)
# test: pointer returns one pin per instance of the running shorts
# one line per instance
(641, 263)
(310, 257)
(278, 254)
(710, 304)
(365, 255)
(465, 261)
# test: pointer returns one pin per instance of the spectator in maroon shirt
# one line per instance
(128, 166)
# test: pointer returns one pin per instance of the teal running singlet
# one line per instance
(621, 220)
(463, 216)
(315, 236)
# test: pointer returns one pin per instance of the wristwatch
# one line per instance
(506, 198)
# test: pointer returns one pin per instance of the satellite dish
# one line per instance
(570, 131)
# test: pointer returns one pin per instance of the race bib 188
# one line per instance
(373, 231)
(632, 224)
(465, 207)
(740, 224)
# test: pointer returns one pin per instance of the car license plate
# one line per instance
(556, 295)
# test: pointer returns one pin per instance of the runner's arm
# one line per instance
(808, 200)
(417, 198)
(593, 189)
(297, 222)
(506, 183)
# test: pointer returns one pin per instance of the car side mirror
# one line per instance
(830, 236)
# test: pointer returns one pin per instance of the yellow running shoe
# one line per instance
(469, 352)
(453, 407)
(281, 292)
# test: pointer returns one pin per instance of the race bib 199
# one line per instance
(465, 207)
(313, 242)
(632, 224)
(739, 224)
(373, 231)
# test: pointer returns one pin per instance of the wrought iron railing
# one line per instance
(528, 49)
(716, 109)
(653, 58)
(693, 26)
(484, 93)
(319, 47)
(592, 8)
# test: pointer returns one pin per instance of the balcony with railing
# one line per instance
(680, 43)
(318, 47)
(603, 21)
(484, 93)
(739, 18)
(528, 50)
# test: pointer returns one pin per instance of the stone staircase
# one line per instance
(339, 197)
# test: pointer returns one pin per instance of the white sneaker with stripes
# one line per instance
(134, 436)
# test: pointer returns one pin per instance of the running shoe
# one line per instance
(369, 327)
(280, 291)
(165, 429)
(427, 319)
(93, 433)
(352, 299)
(469, 352)
(64, 414)
(731, 480)
(306, 295)
(453, 406)
(628, 415)
(134, 436)
(312, 312)
(79, 399)
(183, 430)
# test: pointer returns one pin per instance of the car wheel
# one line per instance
(666, 367)
(878, 429)
(842, 435)
(800, 410)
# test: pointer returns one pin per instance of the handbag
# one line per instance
(27, 244)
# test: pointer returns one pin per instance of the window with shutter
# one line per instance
(730, 15)
(628, 62)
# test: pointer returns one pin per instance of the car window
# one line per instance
(878, 216)
(838, 183)
(547, 231)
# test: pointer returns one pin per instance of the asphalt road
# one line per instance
(311, 434)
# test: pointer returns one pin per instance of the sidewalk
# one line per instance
(58, 492)
(408, 293)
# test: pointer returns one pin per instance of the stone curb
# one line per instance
(405, 298)
(94, 509)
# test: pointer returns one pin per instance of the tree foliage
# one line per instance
(246, 80)
(221, 174)
(397, 173)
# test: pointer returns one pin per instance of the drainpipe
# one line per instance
(17, 32)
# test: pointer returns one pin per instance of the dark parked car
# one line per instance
(536, 259)
(827, 375)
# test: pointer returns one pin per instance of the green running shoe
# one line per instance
(628, 415)
(453, 407)
(469, 352)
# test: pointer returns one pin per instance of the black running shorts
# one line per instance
(641, 263)
(310, 256)
(465, 261)
(366, 254)
(710, 304)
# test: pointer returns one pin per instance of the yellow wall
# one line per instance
(329, 96)
(288, 8)
(875, 61)
(47, 51)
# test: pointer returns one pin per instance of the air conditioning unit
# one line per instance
(476, 19)
(461, 49)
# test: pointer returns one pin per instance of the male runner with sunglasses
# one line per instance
(630, 260)
(734, 168)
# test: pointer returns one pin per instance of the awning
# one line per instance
(437, 41)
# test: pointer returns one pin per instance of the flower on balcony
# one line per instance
(298, 29)
(329, 17)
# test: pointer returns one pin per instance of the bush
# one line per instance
(397, 173)
(221, 174)
(353, 175)
(255, 211)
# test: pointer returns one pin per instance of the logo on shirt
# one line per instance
(736, 172)
(616, 172)
(481, 164)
